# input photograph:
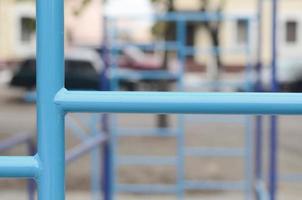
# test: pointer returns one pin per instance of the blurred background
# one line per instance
(160, 45)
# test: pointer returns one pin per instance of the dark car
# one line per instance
(82, 71)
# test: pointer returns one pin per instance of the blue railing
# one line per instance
(47, 167)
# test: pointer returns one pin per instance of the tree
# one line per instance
(213, 28)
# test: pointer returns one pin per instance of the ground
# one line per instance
(17, 116)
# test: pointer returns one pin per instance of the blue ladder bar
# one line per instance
(180, 102)
(50, 118)
(47, 167)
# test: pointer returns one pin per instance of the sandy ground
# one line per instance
(78, 195)
(17, 117)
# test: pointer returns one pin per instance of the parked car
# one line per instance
(289, 76)
(140, 69)
(82, 71)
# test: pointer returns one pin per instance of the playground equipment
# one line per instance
(90, 143)
(182, 51)
(21, 139)
(47, 166)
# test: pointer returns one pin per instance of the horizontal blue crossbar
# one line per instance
(180, 102)
(175, 16)
(174, 46)
(137, 132)
(15, 140)
(295, 177)
(147, 188)
(19, 167)
(216, 119)
(214, 185)
(214, 152)
(143, 74)
(147, 160)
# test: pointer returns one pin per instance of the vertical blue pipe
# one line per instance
(249, 140)
(181, 41)
(273, 165)
(248, 158)
(31, 185)
(249, 57)
(107, 168)
(114, 85)
(95, 161)
(50, 79)
(105, 86)
(258, 88)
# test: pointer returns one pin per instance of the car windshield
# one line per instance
(79, 67)
(28, 66)
(71, 66)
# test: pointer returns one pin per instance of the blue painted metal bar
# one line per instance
(147, 160)
(180, 102)
(214, 152)
(261, 191)
(211, 119)
(249, 56)
(273, 159)
(172, 46)
(294, 177)
(107, 161)
(249, 151)
(112, 145)
(215, 185)
(158, 45)
(76, 129)
(50, 118)
(85, 147)
(12, 142)
(181, 30)
(138, 132)
(31, 184)
(189, 51)
(105, 86)
(175, 16)
(147, 188)
(19, 167)
(127, 74)
(95, 159)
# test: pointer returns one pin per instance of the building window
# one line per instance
(28, 28)
(242, 31)
(291, 31)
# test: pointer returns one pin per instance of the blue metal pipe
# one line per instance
(14, 141)
(19, 167)
(90, 144)
(106, 149)
(95, 159)
(259, 119)
(180, 102)
(175, 16)
(273, 160)
(173, 46)
(147, 188)
(31, 184)
(215, 185)
(50, 118)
